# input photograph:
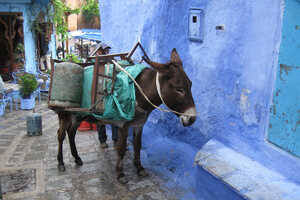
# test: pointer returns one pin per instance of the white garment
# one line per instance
(1, 85)
(43, 60)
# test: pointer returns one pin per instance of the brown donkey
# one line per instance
(165, 83)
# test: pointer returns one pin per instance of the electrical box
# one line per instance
(196, 28)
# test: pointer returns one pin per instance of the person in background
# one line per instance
(59, 52)
(103, 137)
(103, 49)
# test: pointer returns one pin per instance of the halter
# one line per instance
(159, 91)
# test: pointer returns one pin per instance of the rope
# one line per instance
(142, 92)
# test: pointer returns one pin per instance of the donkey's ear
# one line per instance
(175, 57)
(163, 68)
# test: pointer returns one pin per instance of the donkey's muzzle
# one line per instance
(189, 118)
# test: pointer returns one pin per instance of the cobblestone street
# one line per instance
(32, 162)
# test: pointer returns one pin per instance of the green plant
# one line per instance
(48, 71)
(61, 11)
(28, 84)
(19, 54)
(19, 48)
(35, 26)
(72, 58)
(90, 9)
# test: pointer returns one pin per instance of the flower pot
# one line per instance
(27, 104)
(84, 126)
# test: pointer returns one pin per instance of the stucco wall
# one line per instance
(29, 11)
(234, 67)
(233, 70)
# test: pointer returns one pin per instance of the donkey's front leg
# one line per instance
(137, 144)
(121, 150)
(71, 134)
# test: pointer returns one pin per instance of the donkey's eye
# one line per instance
(180, 91)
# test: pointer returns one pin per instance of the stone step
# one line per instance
(246, 176)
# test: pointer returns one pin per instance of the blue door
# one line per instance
(284, 128)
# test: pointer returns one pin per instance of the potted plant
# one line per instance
(28, 84)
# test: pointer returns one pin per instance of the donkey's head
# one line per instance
(174, 88)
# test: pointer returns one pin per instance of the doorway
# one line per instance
(284, 127)
(12, 54)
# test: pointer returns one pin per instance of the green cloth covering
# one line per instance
(121, 104)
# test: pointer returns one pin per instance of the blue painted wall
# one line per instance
(29, 9)
(284, 129)
(233, 72)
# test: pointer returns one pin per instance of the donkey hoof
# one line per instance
(61, 168)
(142, 173)
(122, 179)
(78, 162)
(103, 145)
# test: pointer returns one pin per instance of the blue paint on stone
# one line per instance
(211, 188)
(232, 70)
(29, 9)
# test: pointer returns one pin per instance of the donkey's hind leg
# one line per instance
(61, 134)
(137, 144)
(121, 150)
(71, 134)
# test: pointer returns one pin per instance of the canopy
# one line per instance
(87, 34)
